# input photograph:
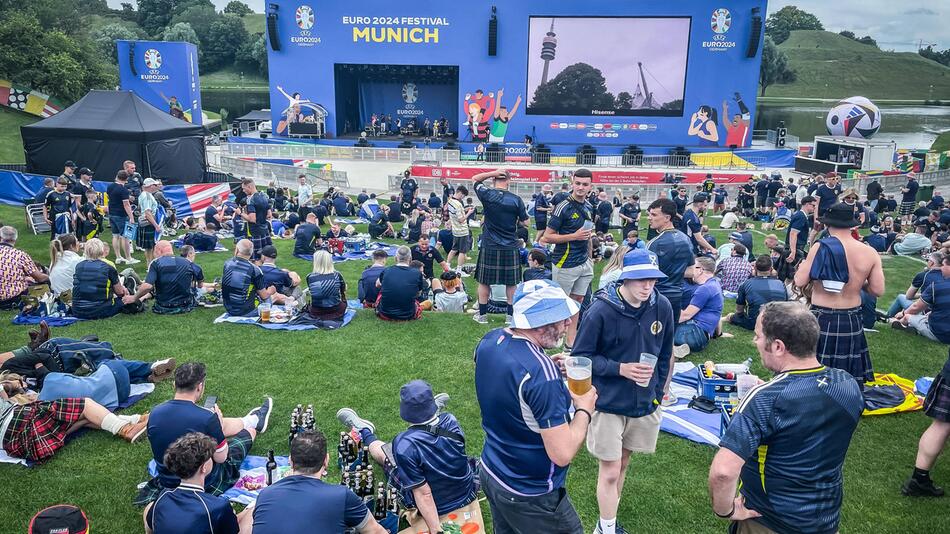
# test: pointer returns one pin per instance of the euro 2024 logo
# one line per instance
(410, 93)
(721, 20)
(304, 17)
(153, 59)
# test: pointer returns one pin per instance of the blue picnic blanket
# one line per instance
(347, 256)
(922, 385)
(252, 469)
(21, 319)
(345, 220)
(325, 325)
(683, 421)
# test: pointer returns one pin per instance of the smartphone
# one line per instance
(210, 401)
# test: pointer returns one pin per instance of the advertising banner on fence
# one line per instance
(632, 177)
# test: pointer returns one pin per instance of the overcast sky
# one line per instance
(895, 24)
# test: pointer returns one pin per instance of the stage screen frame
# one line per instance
(534, 60)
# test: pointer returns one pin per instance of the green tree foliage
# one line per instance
(154, 15)
(624, 100)
(579, 86)
(181, 31)
(941, 56)
(781, 23)
(867, 40)
(199, 17)
(775, 67)
(848, 34)
(675, 105)
(236, 7)
(128, 12)
(225, 37)
(254, 54)
(96, 7)
(106, 36)
(49, 61)
(60, 15)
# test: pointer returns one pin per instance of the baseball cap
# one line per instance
(537, 303)
(70, 163)
(149, 182)
(85, 170)
(61, 518)
(270, 251)
(416, 402)
(640, 264)
(700, 197)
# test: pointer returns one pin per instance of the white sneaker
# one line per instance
(480, 319)
(132, 261)
(119, 261)
(681, 351)
(463, 274)
(669, 399)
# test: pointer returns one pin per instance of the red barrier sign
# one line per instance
(600, 177)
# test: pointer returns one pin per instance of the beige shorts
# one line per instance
(574, 280)
(609, 434)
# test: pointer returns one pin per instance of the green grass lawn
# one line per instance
(11, 144)
(230, 78)
(831, 66)
(363, 365)
(941, 143)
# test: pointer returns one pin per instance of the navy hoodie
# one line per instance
(613, 332)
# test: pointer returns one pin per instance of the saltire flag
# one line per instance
(193, 200)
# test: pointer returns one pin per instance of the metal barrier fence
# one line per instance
(281, 175)
(698, 161)
(892, 184)
(309, 151)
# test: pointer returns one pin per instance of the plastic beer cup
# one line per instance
(647, 359)
(264, 311)
(578, 370)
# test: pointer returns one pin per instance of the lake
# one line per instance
(909, 126)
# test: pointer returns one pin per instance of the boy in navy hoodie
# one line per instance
(627, 320)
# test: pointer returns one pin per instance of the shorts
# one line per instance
(609, 434)
(462, 244)
(574, 280)
(742, 320)
(117, 224)
(749, 526)
(937, 403)
(907, 208)
(498, 266)
(416, 315)
(540, 225)
(145, 237)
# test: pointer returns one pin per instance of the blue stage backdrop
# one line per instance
(161, 71)
(406, 101)
(600, 71)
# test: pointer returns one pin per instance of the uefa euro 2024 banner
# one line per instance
(649, 73)
(164, 74)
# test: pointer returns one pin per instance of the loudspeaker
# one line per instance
(236, 131)
(494, 153)
(755, 36)
(272, 35)
(780, 133)
(132, 59)
(406, 144)
(541, 154)
(632, 155)
(586, 155)
(493, 33)
(451, 145)
(263, 135)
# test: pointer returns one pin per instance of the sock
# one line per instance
(159, 362)
(367, 436)
(509, 309)
(250, 421)
(921, 475)
(483, 308)
(112, 424)
(134, 418)
(608, 526)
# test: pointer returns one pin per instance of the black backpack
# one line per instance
(130, 280)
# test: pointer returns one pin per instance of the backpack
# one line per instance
(131, 281)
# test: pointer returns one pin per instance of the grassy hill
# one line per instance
(831, 66)
(11, 145)
(254, 23)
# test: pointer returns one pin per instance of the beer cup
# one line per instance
(647, 359)
(264, 311)
(578, 370)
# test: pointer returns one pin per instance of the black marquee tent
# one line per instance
(105, 128)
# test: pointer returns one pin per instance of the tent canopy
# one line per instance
(255, 115)
(105, 128)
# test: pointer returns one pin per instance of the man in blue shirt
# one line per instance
(242, 282)
(256, 214)
(936, 202)
(171, 280)
(630, 215)
(693, 226)
(187, 508)
(796, 238)
(380, 225)
(673, 250)
(755, 292)
(935, 296)
(542, 208)
(499, 257)
(530, 434)
(233, 437)
(367, 290)
(307, 236)
(57, 209)
(303, 502)
(626, 320)
(428, 461)
(408, 188)
(719, 198)
(909, 199)
(699, 321)
(788, 437)
(681, 200)
(284, 281)
(761, 191)
(569, 230)
(827, 194)
(342, 205)
(399, 285)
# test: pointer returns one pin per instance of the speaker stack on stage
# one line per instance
(493, 32)
(756, 35)
(586, 155)
(679, 157)
(632, 155)
(494, 153)
(541, 154)
(272, 34)
(780, 134)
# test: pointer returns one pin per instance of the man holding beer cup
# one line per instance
(531, 436)
(627, 335)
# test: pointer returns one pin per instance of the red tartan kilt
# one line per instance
(38, 429)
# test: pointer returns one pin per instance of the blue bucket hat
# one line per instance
(735, 235)
(640, 264)
(541, 302)
(416, 402)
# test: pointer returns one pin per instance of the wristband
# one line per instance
(730, 514)
(589, 416)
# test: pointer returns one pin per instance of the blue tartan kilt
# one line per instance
(841, 341)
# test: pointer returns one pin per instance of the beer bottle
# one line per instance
(365, 458)
(310, 421)
(346, 479)
(270, 466)
(379, 507)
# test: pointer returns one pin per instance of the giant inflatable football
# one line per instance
(854, 117)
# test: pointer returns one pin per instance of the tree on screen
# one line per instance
(673, 105)
(624, 100)
(579, 87)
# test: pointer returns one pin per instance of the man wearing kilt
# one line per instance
(256, 215)
(499, 261)
(837, 268)
(935, 296)
(148, 224)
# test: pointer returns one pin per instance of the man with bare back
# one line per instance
(838, 267)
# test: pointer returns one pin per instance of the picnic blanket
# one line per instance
(683, 421)
(322, 325)
(137, 392)
(347, 256)
(253, 477)
(21, 319)
(218, 247)
(922, 385)
(346, 220)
